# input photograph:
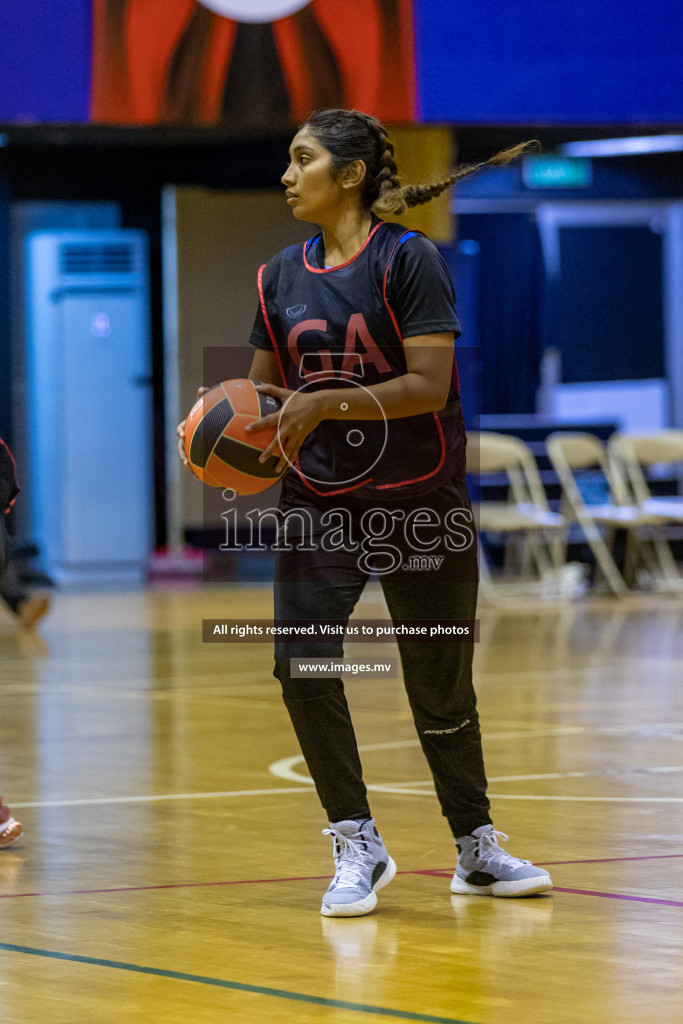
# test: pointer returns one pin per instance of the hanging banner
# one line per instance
(264, 64)
(250, 64)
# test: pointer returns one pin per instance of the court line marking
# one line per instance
(171, 885)
(598, 772)
(436, 872)
(616, 860)
(589, 799)
(238, 986)
(555, 863)
(393, 788)
(590, 892)
(620, 896)
(640, 729)
(285, 769)
(86, 801)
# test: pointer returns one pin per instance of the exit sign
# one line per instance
(556, 172)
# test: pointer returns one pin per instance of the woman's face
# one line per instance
(312, 192)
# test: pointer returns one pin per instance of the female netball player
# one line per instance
(354, 335)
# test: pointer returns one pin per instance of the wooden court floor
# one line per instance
(172, 864)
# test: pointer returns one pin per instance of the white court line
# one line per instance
(598, 773)
(592, 799)
(161, 796)
(284, 769)
(398, 790)
(392, 788)
(406, 791)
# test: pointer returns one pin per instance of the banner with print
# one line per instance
(253, 64)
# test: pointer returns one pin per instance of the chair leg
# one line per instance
(630, 559)
(557, 545)
(539, 548)
(660, 565)
(667, 563)
(604, 559)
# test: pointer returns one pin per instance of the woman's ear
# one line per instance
(354, 174)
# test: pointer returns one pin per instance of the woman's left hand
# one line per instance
(298, 416)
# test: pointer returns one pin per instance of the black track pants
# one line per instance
(325, 581)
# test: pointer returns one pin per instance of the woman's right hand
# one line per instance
(180, 431)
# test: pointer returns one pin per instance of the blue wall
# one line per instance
(45, 60)
(547, 61)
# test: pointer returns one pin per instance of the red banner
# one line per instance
(186, 62)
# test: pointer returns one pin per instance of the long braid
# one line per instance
(353, 135)
(415, 195)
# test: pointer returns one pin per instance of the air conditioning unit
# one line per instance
(89, 402)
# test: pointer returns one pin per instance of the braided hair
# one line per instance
(352, 135)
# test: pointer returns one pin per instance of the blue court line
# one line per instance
(278, 993)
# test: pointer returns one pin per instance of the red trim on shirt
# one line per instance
(384, 287)
(267, 322)
(329, 494)
(405, 483)
(418, 479)
(329, 270)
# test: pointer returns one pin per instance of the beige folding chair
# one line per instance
(572, 451)
(532, 531)
(638, 455)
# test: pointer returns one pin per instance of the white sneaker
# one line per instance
(362, 867)
(484, 869)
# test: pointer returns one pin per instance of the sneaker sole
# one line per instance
(9, 833)
(361, 907)
(521, 887)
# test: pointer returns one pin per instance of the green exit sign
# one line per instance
(556, 172)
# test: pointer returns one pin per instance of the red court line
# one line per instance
(436, 872)
(170, 885)
(620, 896)
(550, 863)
